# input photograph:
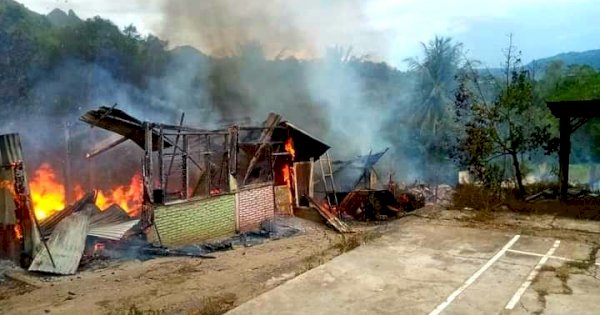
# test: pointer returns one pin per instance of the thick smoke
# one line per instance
(293, 58)
(300, 28)
(326, 96)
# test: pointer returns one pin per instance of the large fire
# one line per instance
(48, 193)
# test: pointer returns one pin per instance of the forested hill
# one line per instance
(589, 57)
(55, 67)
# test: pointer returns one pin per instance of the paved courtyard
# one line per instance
(427, 267)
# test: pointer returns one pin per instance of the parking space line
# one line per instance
(517, 296)
(551, 257)
(474, 277)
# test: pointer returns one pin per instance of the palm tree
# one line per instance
(436, 82)
(434, 91)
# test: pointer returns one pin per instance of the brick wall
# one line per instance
(254, 205)
(194, 221)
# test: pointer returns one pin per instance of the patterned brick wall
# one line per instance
(254, 205)
(194, 221)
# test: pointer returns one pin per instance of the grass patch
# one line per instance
(311, 262)
(348, 242)
(134, 310)
(474, 197)
(585, 207)
(215, 305)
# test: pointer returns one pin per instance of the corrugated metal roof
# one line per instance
(114, 231)
(66, 245)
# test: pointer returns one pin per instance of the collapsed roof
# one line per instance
(349, 174)
(117, 121)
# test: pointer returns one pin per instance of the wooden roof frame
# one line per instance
(572, 114)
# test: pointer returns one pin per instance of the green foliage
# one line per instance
(514, 125)
(580, 83)
(431, 126)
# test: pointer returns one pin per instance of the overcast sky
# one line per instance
(388, 30)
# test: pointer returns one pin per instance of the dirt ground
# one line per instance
(180, 285)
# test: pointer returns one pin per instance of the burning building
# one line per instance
(199, 184)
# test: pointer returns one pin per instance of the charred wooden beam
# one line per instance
(185, 169)
(161, 164)
(147, 165)
(232, 149)
(174, 149)
(119, 122)
(105, 146)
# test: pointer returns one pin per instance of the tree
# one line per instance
(514, 125)
(431, 125)
(436, 81)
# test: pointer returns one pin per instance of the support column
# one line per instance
(563, 156)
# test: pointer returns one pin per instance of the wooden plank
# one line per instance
(283, 200)
(329, 217)
(66, 244)
(302, 181)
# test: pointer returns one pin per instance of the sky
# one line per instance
(386, 30)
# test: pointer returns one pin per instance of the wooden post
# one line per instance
(185, 168)
(233, 149)
(161, 161)
(207, 164)
(311, 183)
(563, 156)
(148, 170)
(11, 157)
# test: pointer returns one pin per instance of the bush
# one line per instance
(475, 197)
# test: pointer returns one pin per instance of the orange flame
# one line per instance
(287, 171)
(128, 197)
(286, 175)
(18, 232)
(48, 194)
(289, 147)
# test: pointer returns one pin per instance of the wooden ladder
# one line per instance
(328, 180)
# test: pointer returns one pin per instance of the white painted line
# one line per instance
(515, 299)
(474, 277)
(551, 257)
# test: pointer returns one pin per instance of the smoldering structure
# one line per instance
(196, 185)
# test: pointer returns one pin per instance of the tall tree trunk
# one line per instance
(518, 175)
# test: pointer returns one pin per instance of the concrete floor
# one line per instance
(419, 264)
